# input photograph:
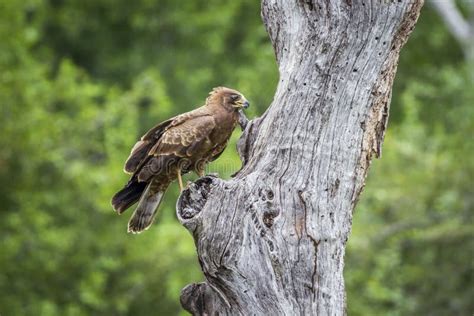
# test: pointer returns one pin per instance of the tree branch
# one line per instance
(460, 28)
(454, 20)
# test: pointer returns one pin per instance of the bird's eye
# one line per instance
(235, 97)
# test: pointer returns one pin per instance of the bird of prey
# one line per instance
(184, 143)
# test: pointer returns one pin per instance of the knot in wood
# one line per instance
(192, 199)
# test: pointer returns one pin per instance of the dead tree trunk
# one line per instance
(271, 241)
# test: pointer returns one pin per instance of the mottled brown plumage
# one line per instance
(181, 144)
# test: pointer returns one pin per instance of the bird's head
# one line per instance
(230, 99)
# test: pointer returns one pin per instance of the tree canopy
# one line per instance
(80, 81)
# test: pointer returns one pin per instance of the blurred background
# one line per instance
(81, 80)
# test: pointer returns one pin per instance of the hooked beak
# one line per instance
(245, 104)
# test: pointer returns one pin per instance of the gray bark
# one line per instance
(271, 240)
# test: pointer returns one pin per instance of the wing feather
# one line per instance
(184, 141)
(140, 151)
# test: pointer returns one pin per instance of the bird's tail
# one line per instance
(146, 210)
(126, 197)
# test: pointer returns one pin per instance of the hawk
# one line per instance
(184, 143)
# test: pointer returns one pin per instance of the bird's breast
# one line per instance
(225, 125)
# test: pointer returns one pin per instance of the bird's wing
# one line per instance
(183, 143)
(142, 148)
(184, 140)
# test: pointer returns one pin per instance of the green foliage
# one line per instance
(81, 80)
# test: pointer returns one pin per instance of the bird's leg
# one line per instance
(200, 169)
(200, 173)
(180, 180)
(188, 184)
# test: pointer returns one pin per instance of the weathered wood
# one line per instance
(271, 241)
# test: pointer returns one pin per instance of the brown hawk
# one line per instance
(184, 143)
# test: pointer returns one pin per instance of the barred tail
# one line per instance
(146, 211)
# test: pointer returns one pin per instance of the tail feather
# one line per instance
(128, 196)
(146, 211)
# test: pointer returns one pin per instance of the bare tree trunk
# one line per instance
(271, 241)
